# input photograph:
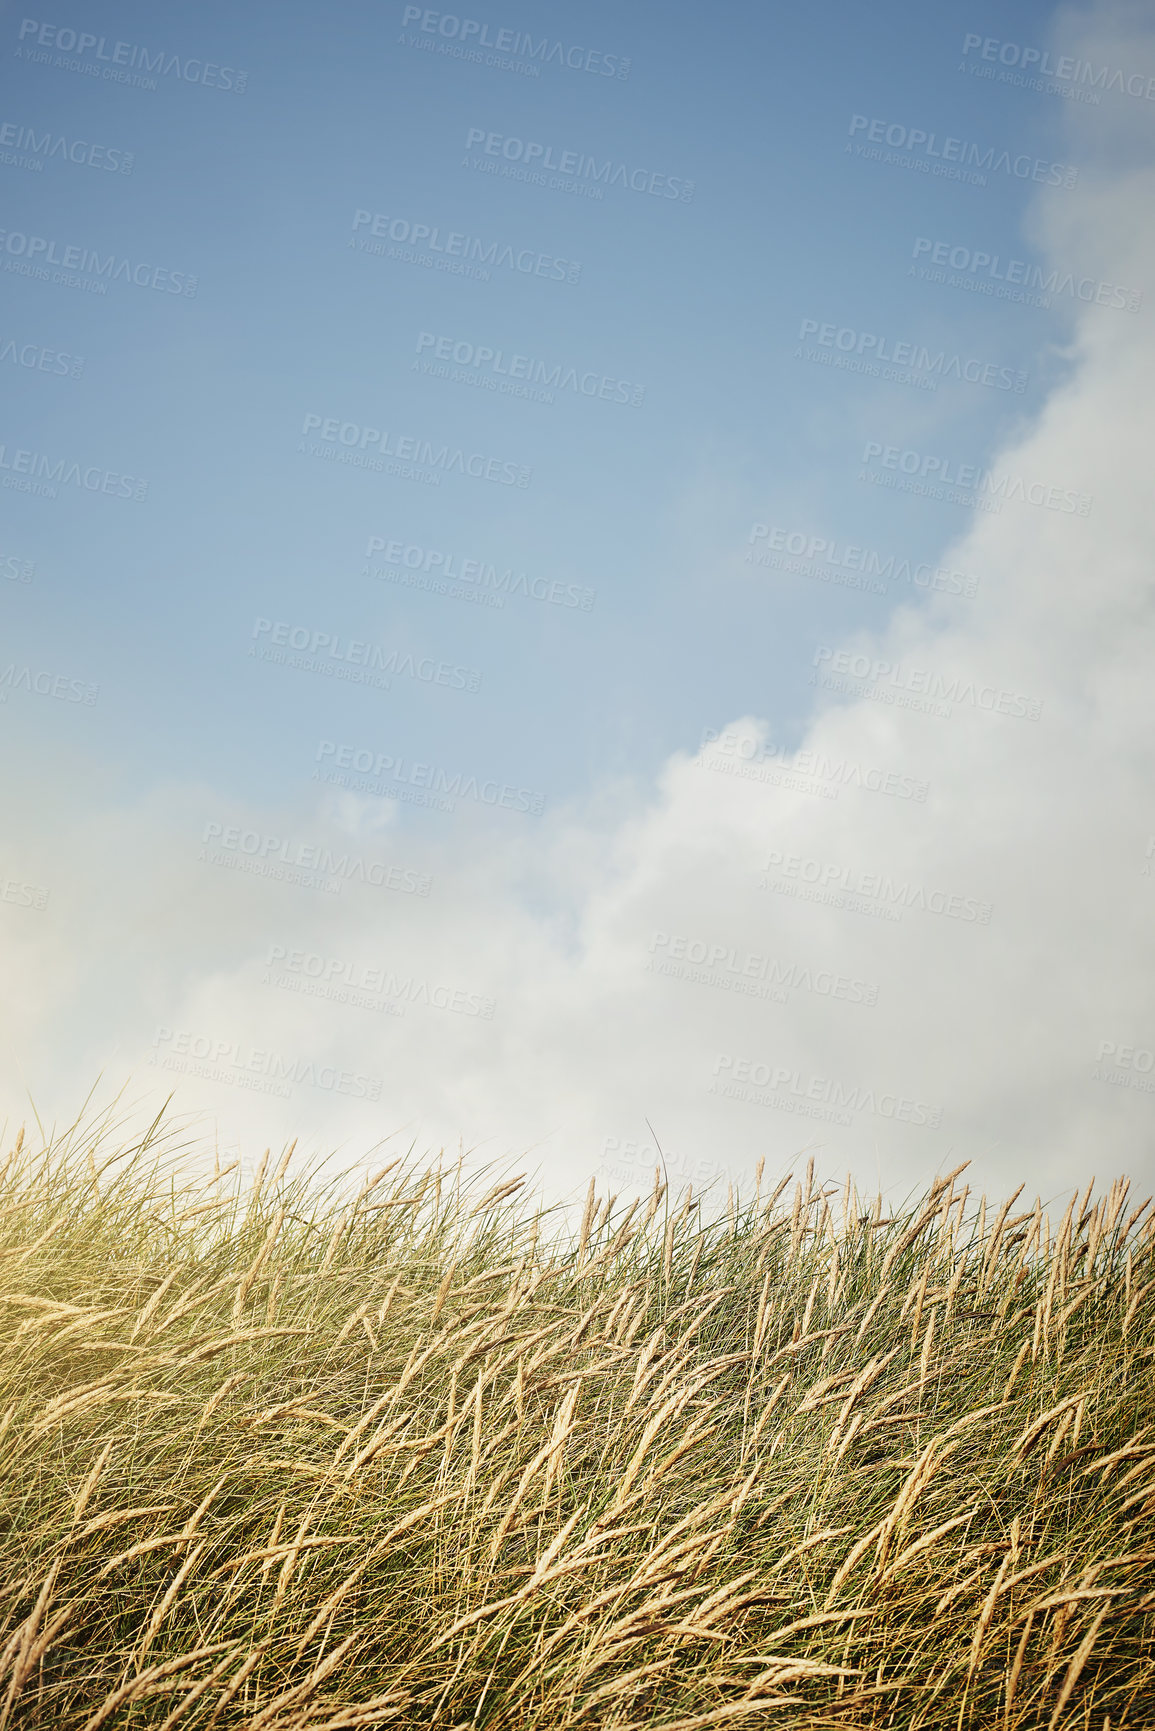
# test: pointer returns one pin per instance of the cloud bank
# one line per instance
(920, 933)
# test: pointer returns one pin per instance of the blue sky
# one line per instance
(255, 195)
(722, 315)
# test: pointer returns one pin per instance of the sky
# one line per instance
(575, 584)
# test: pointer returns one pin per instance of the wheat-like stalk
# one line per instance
(283, 1460)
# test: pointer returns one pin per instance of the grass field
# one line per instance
(275, 1459)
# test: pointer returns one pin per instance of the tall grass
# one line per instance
(421, 1458)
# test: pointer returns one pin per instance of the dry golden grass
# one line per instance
(279, 1460)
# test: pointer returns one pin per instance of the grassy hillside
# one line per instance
(273, 1460)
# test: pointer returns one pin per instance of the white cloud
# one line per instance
(999, 1025)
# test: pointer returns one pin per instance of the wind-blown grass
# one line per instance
(273, 1459)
